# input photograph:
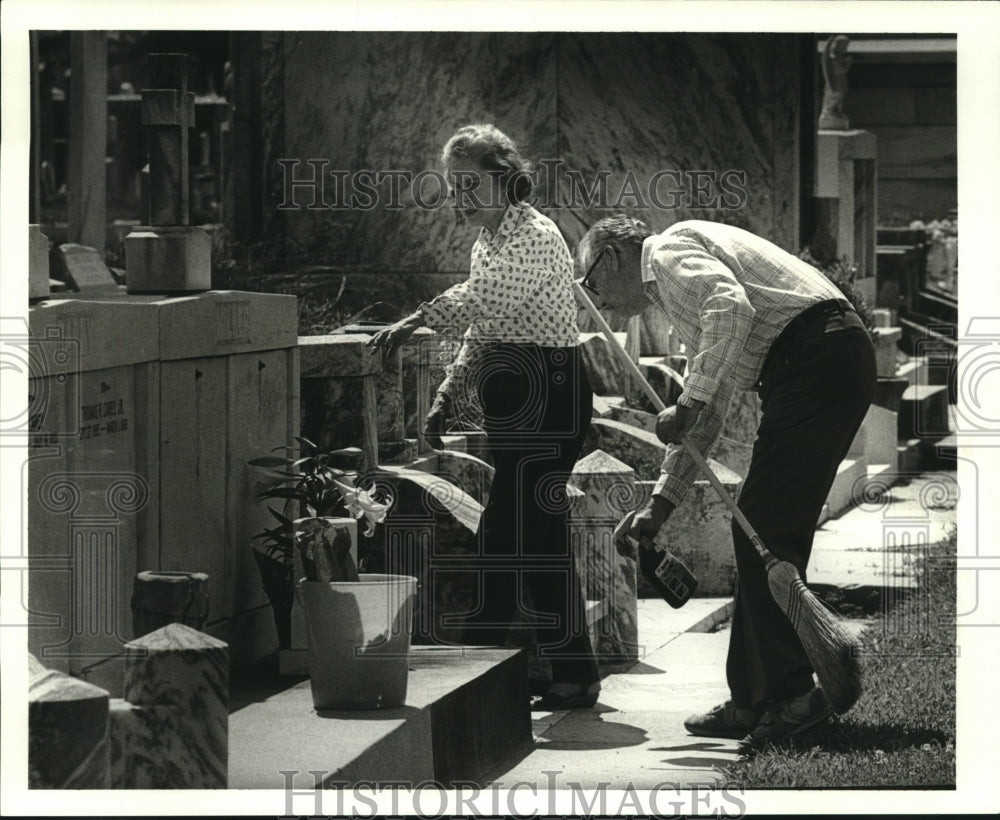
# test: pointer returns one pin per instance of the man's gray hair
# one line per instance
(620, 231)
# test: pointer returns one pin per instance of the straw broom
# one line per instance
(831, 650)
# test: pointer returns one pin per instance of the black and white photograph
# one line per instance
(535, 409)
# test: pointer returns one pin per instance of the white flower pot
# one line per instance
(359, 640)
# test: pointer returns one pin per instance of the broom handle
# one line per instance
(654, 397)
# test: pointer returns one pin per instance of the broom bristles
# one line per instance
(831, 649)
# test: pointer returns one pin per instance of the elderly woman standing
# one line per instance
(521, 356)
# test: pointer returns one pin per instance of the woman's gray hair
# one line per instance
(488, 146)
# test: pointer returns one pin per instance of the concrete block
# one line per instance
(603, 405)
(422, 348)
(915, 370)
(641, 450)
(909, 455)
(456, 443)
(174, 732)
(74, 335)
(67, 731)
(162, 259)
(882, 316)
(734, 447)
(640, 419)
(161, 598)
(867, 288)
(824, 515)
(851, 475)
(886, 341)
(38, 263)
(608, 494)
(442, 734)
(889, 392)
(469, 740)
(402, 451)
(923, 412)
(224, 323)
(881, 436)
(947, 448)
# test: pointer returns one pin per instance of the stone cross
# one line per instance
(836, 64)
(168, 113)
(168, 255)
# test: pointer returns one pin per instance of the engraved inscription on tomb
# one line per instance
(232, 323)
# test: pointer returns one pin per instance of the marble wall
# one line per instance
(619, 103)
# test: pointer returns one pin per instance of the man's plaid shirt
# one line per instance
(728, 294)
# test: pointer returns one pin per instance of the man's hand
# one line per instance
(645, 522)
(389, 338)
(436, 423)
(651, 517)
(676, 422)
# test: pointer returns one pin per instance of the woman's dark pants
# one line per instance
(537, 404)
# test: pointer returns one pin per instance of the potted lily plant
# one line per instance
(358, 624)
(319, 498)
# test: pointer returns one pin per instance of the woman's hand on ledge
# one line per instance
(391, 337)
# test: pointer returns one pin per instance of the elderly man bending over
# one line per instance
(753, 317)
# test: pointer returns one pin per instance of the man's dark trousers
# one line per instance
(815, 389)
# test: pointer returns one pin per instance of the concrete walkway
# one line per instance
(635, 734)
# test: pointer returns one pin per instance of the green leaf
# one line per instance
(286, 522)
(306, 443)
(281, 492)
(466, 510)
(269, 461)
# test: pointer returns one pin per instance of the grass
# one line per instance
(901, 732)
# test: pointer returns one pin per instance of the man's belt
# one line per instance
(826, 309)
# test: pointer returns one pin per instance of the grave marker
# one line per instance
(83, 268)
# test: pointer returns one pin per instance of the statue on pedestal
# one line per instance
(836, 64)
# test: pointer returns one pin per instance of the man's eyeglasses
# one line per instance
(585, 283)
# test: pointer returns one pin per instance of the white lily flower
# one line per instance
(360, 504)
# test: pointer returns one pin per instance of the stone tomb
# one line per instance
(91, 477)
(145, 412)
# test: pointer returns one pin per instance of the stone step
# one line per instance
(923, 412)
(442, 733)
(915, 370)
(909, 455)
(455, 442)
(886, 472)
(841, 496)
(947, 448)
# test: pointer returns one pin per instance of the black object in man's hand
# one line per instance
(665, 572)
